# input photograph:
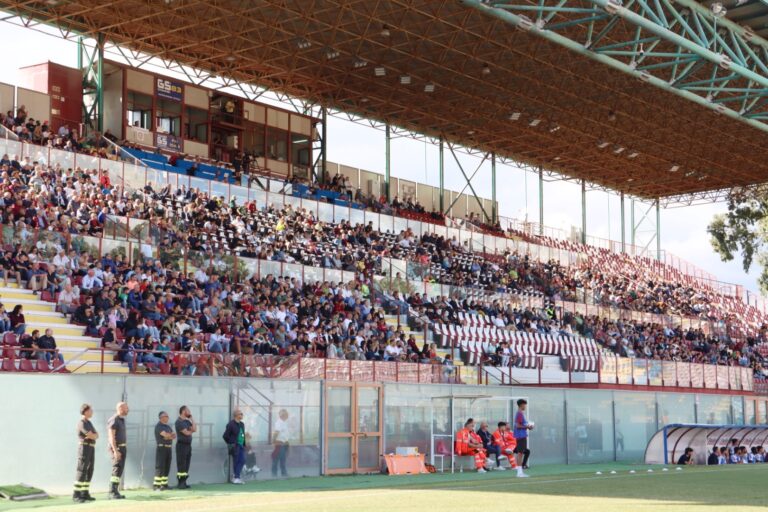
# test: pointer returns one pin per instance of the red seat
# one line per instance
(9, 352)
(9, 338)
(42, 366)
(62, 369)
(165, 368)
(8, 366)
(25, 365)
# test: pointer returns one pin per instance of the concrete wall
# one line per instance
(40, 413)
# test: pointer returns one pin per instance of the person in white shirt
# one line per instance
(61, 259)
(90, 281)
(67, 299)
(392, 352)
(201, 276)
(281, 438)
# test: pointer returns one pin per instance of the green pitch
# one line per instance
(555, 488)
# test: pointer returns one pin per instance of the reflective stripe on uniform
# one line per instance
(114, 479)
(182, 474)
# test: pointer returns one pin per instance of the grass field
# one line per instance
(555, 488)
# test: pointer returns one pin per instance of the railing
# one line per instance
(634, 373)
(148, 238)
(275, 367)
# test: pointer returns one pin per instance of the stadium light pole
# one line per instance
(388, 136)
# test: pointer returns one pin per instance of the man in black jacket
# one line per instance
(714, 457)
(236, 439)
(487, 438)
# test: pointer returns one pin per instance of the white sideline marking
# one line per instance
(351, 494)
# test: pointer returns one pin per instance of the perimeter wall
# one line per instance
(572, 426)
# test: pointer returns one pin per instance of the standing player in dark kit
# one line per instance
(185, 427)
(87, 437)
(117, 448)
(164, 452)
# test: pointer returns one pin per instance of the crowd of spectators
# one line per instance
(75, 201)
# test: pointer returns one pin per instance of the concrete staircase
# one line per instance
(70, 338)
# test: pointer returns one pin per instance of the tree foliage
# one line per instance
(743, 231)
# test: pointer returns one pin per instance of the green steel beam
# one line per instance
(494, 212)
(541, 200)
(623, 227)
(388, 137)
(658, 230)
(468, 180)
(100, 83)
(583, 212)
(441, 169)
(692, 30)
(717, 59)
(324, 146)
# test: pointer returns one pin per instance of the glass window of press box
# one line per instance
(196, 124)
(169, 117)
(300, 150)
(253, 139)
(277, 144)
(139, 110)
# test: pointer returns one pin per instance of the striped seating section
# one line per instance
(475, 341)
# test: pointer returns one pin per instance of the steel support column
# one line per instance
(441, 170)
(541, 201)
(494, 212)
(100, 83)
(388, 136)
(632, 222)
(658, 230)
(583, 211)
(91, 64)
(324, 147)
(623, 229)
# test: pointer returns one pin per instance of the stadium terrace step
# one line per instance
(8, 295)
(30, 305)
(95, 367)
(58, 329)
(74, 354)
(77, 342)
(48, 317)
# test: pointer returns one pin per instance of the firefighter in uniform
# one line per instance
(117, 448)
(185, 427)
(87, 437)
(469, 443)
(164, 436)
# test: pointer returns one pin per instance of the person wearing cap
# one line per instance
(164, 436)
(86, 436)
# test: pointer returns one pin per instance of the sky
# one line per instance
(683, 230)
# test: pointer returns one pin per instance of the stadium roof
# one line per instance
(461, 70)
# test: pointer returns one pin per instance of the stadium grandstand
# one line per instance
(176, 238)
